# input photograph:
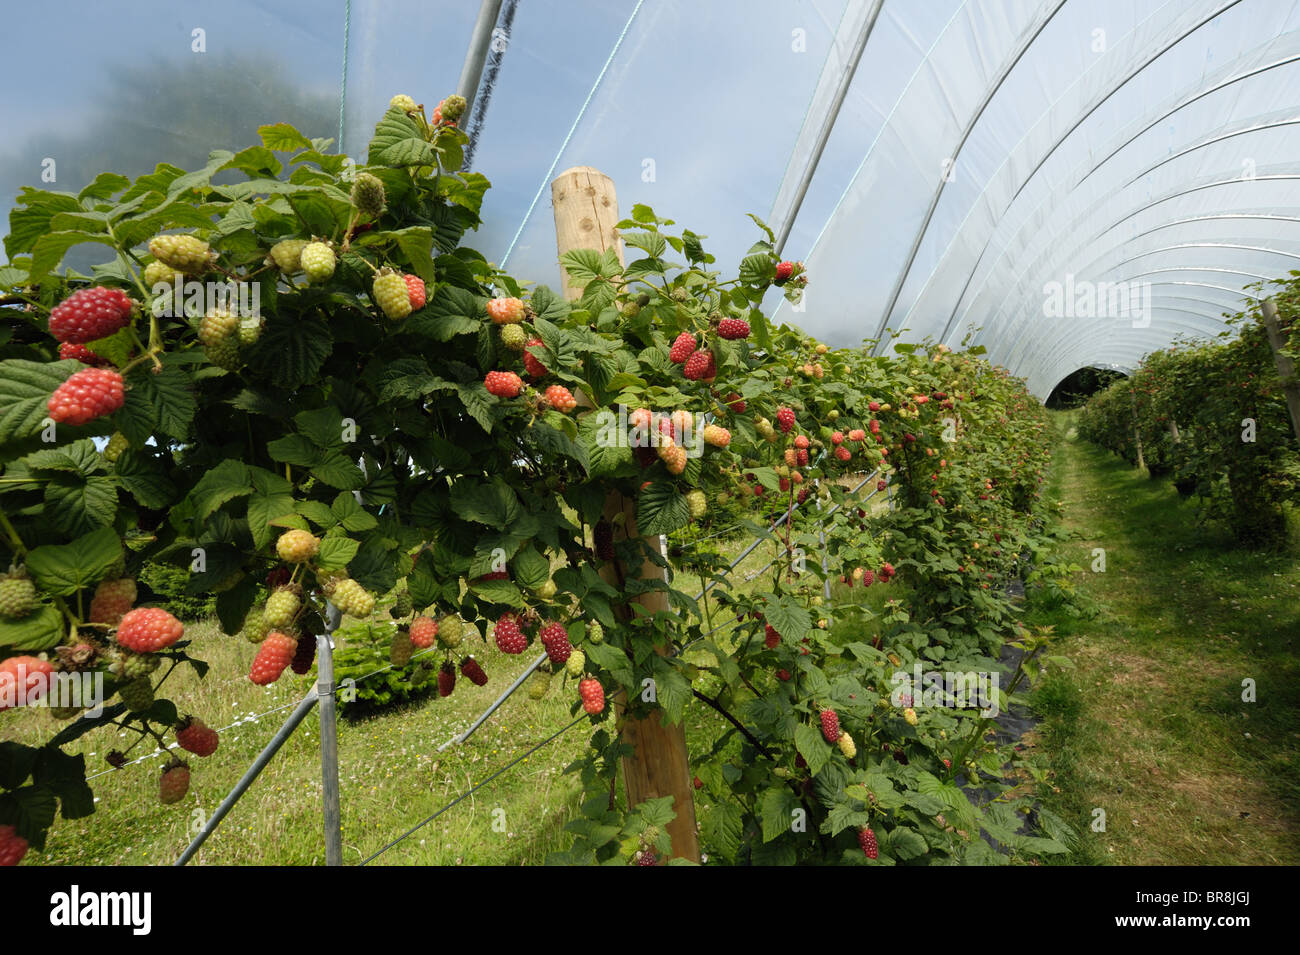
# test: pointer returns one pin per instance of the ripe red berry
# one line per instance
(830, 725)
(503, 384)
(701, 366)
(417, 290)
(446, 679)
(510, 639)
(90, 313)
(555, 639)
(87, 395)
(534, 367)
(197, 737)
(273, 656)
(733, 329)
(561, 399)
(770, 637)
(682, 348)
(857, 434)
(423, 630)
(25, 677)
(470, 667)
(867, 840)
(505, 311)
(12, 846)
(873, 406)
(593, 695)
(736, 403)
(874, 426)
(783, 674)
(305, 655)
(868, 578)
(175, 782)
(880, 485)
(784, 270)
(81, 353)
(843, 453)
(148, 630)
(785, 419)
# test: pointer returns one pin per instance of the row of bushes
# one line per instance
(1213, 415)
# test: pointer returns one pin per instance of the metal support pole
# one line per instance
(278, 740)
(519, 681)
(828, 124)
(476, 55)
(329, 738)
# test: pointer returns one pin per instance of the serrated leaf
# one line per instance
(336, 552)
(39, 630)
(812, 747)
(75, 504)
(777, 808)
(291, 351)
(531, 569)
(397, 142)
(661, 509)
(283, 138)
(228, 480)
(158, 401)
(351, 515)
(25, 389)
(63, 569)
(272, 498)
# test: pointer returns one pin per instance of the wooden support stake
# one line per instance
(586, 211)
(1137, 438)
(1285, 366)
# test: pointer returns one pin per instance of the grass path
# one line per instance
(1151, 725)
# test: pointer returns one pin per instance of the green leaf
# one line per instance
(661, 509)
(233, 605)
(161, 400)
(39, 630)
(272, 499)
(25, 389)
(777, 810)
(498, 592)
(75, 504)
(350, 514)
(672, 689)
(531, 569)
(907, 843)
(291, 350)
(336, 552)
(228, 480)
(790, 619)
(398, 142)
(812, 747)
(30, 218)
(283, 138)
(494, 504)
(63, 569)
(452, 311)
(422, 582)
(758, 269)
(722, 828)
(416, 243)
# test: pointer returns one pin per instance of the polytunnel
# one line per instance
(648, 433)
(940, 167)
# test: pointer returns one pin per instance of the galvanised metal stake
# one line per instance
(278, 740)
(509, 691)
(329, 737)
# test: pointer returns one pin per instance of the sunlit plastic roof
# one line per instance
(990, 156)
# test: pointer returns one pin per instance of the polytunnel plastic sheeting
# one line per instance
(987, 150)
(134, 85)
(1077, 166)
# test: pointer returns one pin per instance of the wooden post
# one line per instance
(1137, 438)
(586, 211)
(1285, 366)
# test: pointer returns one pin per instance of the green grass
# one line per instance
(1150, 725)
(391, 776)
